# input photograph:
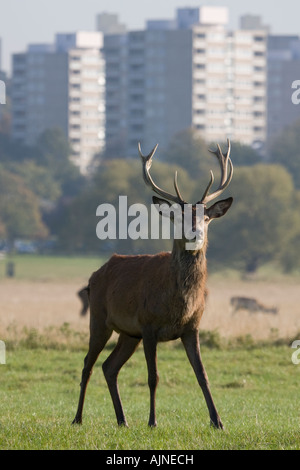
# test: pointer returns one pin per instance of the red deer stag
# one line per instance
(154, 298)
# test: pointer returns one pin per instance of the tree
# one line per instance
(38, 179)
(19, 209)
(77, 227)
(285, 151)
(53, 153)
(53, 148)
(189, 151)
(289, 255)
(243, 155)
(262, 221)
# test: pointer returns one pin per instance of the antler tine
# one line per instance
(176, 187)
(225, 180)
(222, 160)
(228, 148)
(147, 162)
(147, 159)
(212, 179)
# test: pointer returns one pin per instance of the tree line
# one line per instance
(44, 196)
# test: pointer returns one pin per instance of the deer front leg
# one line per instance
(150, 344)
(190, 341)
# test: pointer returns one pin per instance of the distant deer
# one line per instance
(154, 298)
(251, 305)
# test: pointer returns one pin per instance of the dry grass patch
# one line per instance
(40, 305)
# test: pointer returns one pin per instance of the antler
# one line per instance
(224, 182)
(147, 162)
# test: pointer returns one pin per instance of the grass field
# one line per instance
(51, 268)
(256, 391)
(254, 383)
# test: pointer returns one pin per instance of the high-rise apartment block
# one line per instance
(113, 88)
(283, 70)
(62, 85)
(188, 72)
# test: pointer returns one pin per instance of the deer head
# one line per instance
(192, 219)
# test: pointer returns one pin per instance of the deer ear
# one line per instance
(219, 208)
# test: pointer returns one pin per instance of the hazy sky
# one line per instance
(32, 21)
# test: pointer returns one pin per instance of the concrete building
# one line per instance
(2, 82)
(4, 101)
(39, 92)
(283, 70)
(116, 93)
(108, 23)
(206, 15)
(188, 72)
(62, 85)
(253, 22)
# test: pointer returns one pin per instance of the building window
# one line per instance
(259, 69)
(259, 38)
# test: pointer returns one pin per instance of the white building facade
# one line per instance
(188, 72)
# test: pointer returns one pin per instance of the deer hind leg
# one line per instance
(150, 345)
(98, 340)
(192, 347)
(124, 349)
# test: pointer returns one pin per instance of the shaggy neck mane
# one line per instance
(189, 268)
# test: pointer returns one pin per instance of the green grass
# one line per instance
(31, 267)
(51, 268)
(256, 391)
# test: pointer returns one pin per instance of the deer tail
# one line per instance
(84, 295)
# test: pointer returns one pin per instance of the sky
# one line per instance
(37, 21)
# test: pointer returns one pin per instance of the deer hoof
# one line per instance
(217, 423)
(123, 424)
(77, 421)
